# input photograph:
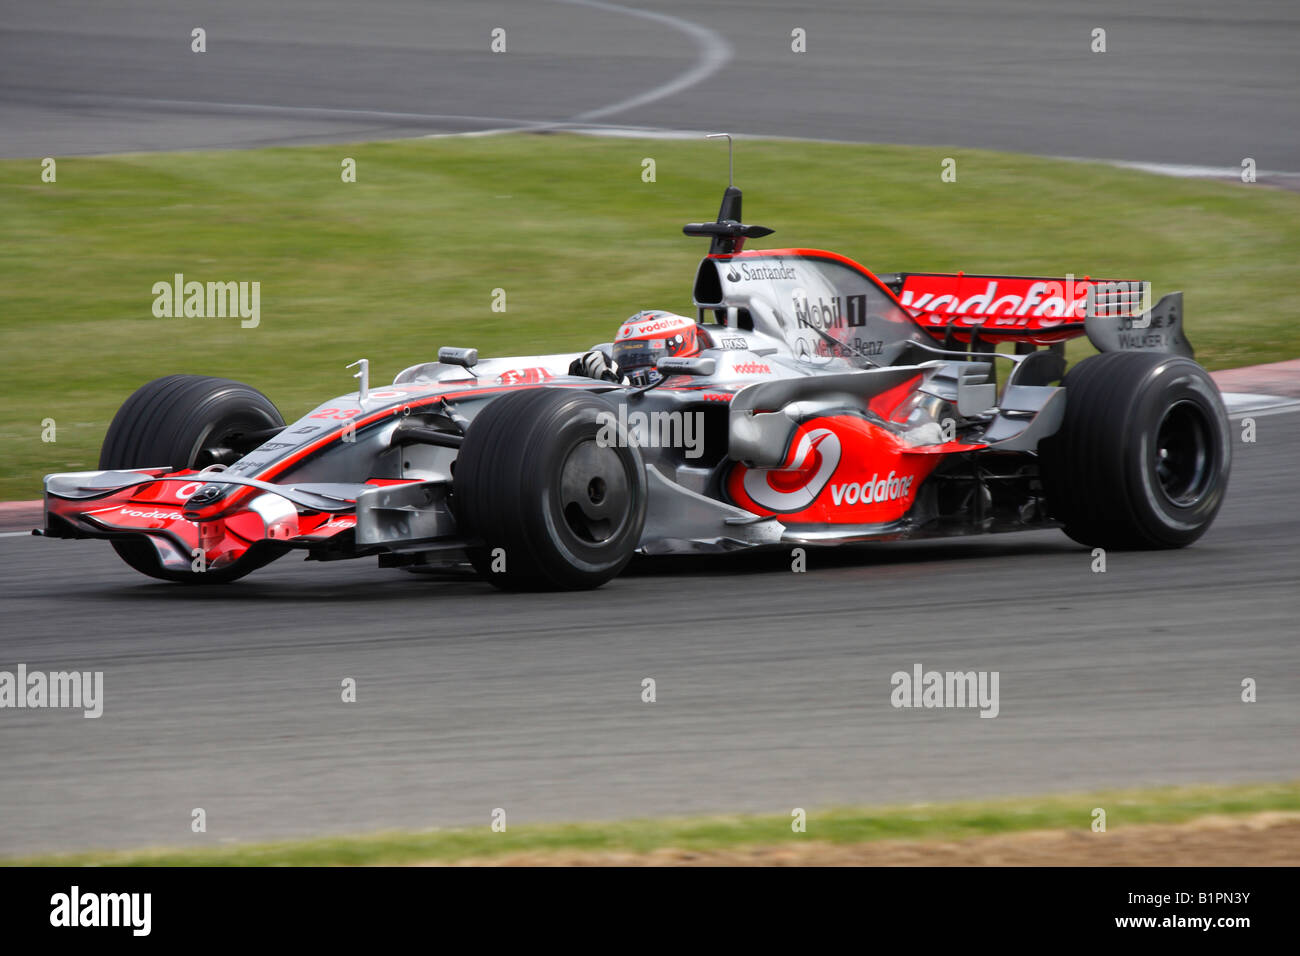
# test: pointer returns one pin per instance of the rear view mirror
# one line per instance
(465, 358)
(685, 366)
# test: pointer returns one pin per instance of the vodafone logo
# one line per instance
(793, 489)
(662, 325)
(523, 376)
(165, 515)
(1017, 302)
(888, 488)
(751, 368)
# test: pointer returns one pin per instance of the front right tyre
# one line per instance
(187, 421)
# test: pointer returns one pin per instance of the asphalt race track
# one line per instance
(773, 687)
(1181, 81)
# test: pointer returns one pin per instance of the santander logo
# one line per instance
(795, 488)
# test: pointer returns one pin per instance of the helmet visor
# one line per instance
(636, 359)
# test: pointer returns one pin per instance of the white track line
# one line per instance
(1289, 406)
(1191, 172)
(1241, 404)
(715, 52)
(327, 111)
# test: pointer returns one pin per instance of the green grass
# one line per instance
(845, 825)
(406, 259)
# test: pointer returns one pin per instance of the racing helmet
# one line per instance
(648, 336)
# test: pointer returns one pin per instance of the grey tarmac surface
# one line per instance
(1182, 81)
(773, 687)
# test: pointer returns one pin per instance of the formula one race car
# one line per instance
(808, 402)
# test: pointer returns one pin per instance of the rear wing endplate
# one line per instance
(1159, 329)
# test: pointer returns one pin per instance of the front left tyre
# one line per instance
(546, 503)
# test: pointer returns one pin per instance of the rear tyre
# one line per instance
(186, 421)
(1142, 457)
(545, 505)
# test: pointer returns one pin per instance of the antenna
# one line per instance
(363, 390)
(731, 164)
(727, 234)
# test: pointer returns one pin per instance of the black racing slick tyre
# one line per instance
(544, 503)
(1142, 457)
(187, 421)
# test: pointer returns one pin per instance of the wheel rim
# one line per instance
(221, 445)
(595, 502)
(1183, 454)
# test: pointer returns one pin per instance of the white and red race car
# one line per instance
(823, 404)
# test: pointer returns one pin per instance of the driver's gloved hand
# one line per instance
(594, 365)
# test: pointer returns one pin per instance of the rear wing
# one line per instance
(1115, 314)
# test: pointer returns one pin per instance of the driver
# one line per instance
(642, 341)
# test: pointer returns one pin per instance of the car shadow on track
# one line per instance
(869, 554)
(321, 585)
